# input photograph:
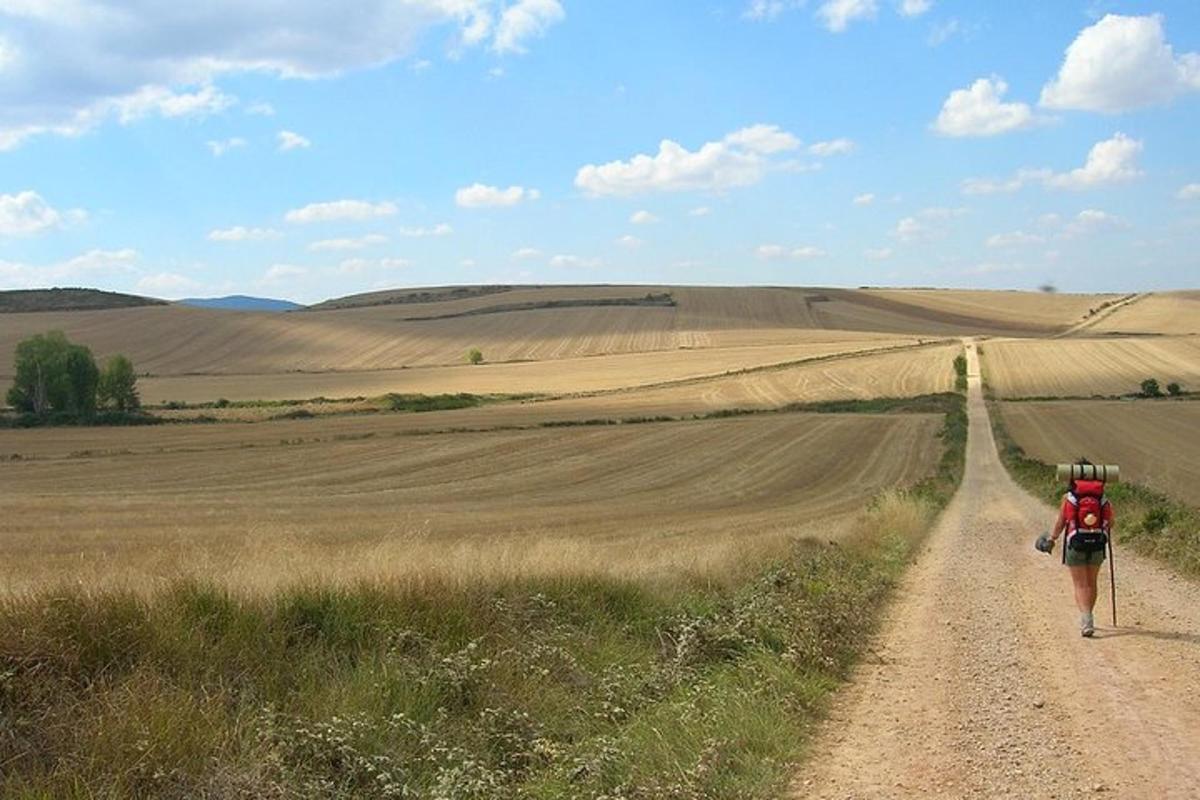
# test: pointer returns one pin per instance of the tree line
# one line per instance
(55, 376)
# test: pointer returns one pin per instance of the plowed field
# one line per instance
(1089, 367)
(1155, 443)
(629, 499)
(1166, 312)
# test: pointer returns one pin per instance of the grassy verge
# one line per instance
(1148, 521)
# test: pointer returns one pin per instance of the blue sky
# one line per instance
(306, 150)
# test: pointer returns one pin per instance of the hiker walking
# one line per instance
(1086, 516)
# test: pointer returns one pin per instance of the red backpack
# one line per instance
(1089, 534)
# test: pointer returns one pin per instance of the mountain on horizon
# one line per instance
(241, 302)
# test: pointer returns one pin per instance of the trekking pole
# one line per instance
(1112, 576)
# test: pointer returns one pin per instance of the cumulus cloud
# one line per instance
(630, 242)
(926, 225)
(525, 20)
(642, 218)
(340, 210)
(769, 9)
(84, 268)
(526, 253)
(351, 266)
(914, 8)
(290, 140)
(700, 211)
(740, 159)
(479, 195)
(26, 213)
(78, 63)
(358, 243)
(1189, 192)
(1119, 64)
(1108, 162)
(220, 147)
(864, 199)
(240, 233)
(1091, 221)
(978, 111)
(837, 15)
(833, 147)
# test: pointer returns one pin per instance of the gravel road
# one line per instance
(979, 684)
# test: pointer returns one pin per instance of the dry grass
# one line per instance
(1174, 313)
(1024, 310)
(1089, 367)
(1155, 442)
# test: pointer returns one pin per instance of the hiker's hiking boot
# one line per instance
(1087, 626)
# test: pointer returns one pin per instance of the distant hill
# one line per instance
(69, 299)
(240, 302)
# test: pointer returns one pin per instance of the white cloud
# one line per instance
(220, 147)
(83, 62)
(978, 111)
(1110, 161)
(1189, 192)
(740, 159)
(261, 109)
(700, 211)
(241, 233)
(290, 140)
(359, 243)
(526, 253)
(838, 14)
(26, 213)
(943, 32)
(340, 210)
(441, 229)
(914, 8)
(479, 195)
(771, 252)
(642, 218)
(573, 261)
(351, 266)
(630, 242)
(769, 9)
(282, 273)
(878, 253)
(763, 139)
(926, 225)
(84, 268)
(1119, 64)
(166, 284)
(1091, 221)
(524, 20)
(864, 199)
(1014, 239)
(833, 147)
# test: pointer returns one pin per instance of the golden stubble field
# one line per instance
(1156, 442)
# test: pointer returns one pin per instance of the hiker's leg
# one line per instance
(1093, 573)
(1085, 593)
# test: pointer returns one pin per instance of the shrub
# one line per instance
(117, 386)
(1150, 388)
(475, 356)
(960, 373)
(1174, 389)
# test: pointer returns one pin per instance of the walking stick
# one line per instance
(1112, 576)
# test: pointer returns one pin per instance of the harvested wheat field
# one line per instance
(551, 377)
(624, 500)
(1155, 442)
(1089, 367)
(1171, 313)
(522, 324)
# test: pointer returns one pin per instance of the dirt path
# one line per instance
(980, 685)
(1094, 319)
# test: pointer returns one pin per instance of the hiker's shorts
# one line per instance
(1079, 558)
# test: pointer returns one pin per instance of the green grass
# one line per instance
(1150, 522)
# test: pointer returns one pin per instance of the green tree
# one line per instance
(475, 356)
(1174, 389)
(1150, 388)
(118, 385)
(54, 375)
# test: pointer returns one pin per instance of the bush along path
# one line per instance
(980, 685)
